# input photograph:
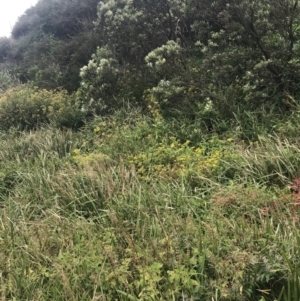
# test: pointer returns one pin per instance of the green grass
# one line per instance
(80, 221)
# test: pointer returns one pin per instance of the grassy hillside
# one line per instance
(133, 207)
(149, 151)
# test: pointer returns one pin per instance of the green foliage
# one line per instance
(25, 107)
(7, 81)
(224, 57)
(5, 49)
(131, 29)
(52, 40)
(61, 18)
(239, 50)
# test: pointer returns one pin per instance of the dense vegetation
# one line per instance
(149, 151)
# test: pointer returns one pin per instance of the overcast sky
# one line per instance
(10, 10)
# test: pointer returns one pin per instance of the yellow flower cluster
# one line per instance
(153, 104)
(104, 129)
(212, 161)
(85, 160)
(174, 159)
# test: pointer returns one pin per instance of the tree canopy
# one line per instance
(179, 54)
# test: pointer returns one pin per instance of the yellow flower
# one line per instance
(76, 151)
(97, 129)
(198, 150)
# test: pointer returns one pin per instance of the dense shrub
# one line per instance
(26, 107)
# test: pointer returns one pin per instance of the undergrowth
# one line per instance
(137, 208)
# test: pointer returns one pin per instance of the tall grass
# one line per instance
(78, 222)
(269, 160)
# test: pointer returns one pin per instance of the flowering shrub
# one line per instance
(158, 57)
(164, 62)
(98, 81)
(26, 107)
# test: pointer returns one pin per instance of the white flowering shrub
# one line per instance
(166, 91)
(166, 62)
(98, 82)
(162, 58)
